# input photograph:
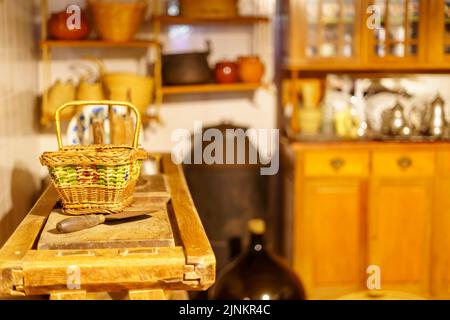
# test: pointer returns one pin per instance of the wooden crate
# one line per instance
(144, 272)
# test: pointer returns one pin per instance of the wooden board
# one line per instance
(152, 190)
(152, 230)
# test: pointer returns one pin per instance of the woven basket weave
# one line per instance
(117, 21)
(95, 178)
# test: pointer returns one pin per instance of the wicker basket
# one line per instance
(117, 21)
(209, 8)
(95, 178)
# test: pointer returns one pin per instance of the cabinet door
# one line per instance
(324, 31)
(440, 263)
(396, 31)
(439, 38)
(329, 236)
(400, 211)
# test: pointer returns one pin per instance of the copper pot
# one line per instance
(58, 29)
(226, 72)
(251, 69)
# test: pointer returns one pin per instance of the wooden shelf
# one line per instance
(205, 20)
(99, 43)
(210, 87)
(47, 119)
(369, 67)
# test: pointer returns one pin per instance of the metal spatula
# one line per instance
(84, 222)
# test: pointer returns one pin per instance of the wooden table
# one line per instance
(143, 272)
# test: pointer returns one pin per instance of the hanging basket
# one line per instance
(95, 178)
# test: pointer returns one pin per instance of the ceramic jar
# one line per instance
(226, 72)
(251, 69)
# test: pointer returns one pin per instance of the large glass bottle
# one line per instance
(257, 274)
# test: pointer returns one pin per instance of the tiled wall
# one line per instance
(19, 142)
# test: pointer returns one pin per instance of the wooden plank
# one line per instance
(68, 295)
(98, 43)
(211, 87)
(27, 232)
(146, 295)
(152, 230)
(164, 19)
(109, 270)
(152, 190)
(192, 234)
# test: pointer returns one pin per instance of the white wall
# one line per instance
(19, 141)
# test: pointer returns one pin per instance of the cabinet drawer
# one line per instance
(403, 163)
(336, 164)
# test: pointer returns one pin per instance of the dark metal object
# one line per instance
(186, 68)
(226, 195)
(435, 122)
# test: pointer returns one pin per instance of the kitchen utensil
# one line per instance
(312, 93)
(98, 131)
(59, 94)
(95, 178)
(89, 87)
(125, 86)
(186, 68)
(226, 72)
(78, 129)
(209, 8)
(58, 27)
(117, 21)
(310, 120)
(251, 69)
(84, 222)
(90, 91)
(394, 121)
(345, 123)
(435, 121)
(123, 128)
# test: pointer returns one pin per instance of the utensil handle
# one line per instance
(101, 102)
(79, 223)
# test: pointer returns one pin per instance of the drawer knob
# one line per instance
(404, 162)
(337, 163)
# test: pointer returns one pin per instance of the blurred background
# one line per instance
(358, 89)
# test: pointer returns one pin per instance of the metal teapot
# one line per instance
(394, 122)
(435, 123)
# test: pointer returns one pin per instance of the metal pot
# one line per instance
(394, 121)
(435, 123)
(186, 68)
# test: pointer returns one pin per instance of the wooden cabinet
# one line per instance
(369, 35)
(331, 237)
(396, 31)
(439, 32)
(385, 205)
(440, 255)
(324, 31)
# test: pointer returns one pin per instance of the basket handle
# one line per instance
(100, 102)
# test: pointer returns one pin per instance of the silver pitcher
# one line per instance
(435, 123)
(394, 122)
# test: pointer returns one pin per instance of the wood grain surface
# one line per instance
(151, 230)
